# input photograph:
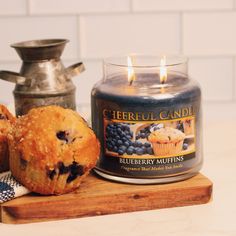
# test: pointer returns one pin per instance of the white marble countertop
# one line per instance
(215, 218)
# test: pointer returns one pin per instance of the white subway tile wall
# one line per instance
(13, 7)
(215, 76)
(102, 36)
(6, 88)
(16, 29)
(85, 81)
(39, 7)
(209, 33)
(204, 30)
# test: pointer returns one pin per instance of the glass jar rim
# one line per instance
(121, 60)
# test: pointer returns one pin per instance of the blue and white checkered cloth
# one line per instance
(10, 188)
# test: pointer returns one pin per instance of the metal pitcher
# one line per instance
(43, 80)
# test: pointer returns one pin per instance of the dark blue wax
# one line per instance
(147, 91)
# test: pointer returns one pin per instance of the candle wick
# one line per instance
(132, 80)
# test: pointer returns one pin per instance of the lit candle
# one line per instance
(131, 75)
(163, 70)
(147, 117)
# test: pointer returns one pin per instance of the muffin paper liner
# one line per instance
(10, 188)
(167, 149)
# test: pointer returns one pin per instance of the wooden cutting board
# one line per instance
(97, 196)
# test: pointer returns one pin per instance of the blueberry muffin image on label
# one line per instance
(6, 121)
(167, 141)
(52, 150)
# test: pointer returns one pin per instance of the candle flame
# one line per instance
(163, 70)
(131, 75)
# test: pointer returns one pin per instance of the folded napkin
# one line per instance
(10, 188)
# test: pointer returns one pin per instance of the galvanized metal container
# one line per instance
(43, 80)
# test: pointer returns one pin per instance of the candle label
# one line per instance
(148, 143)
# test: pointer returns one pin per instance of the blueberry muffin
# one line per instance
(52, 150)
(167, 141)
(6, 121)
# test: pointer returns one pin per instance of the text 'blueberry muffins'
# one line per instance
(52, 149)
(6, 121)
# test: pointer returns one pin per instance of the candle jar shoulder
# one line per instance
(188, 91)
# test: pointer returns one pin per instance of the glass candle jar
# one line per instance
(146, 112)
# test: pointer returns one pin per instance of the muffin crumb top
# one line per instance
(166, 135)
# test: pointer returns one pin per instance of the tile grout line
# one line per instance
(195, 11)
(131, 10)
(181, 32)
(78, 34)
(234, 4)
(234, 78)
(218, 101)
(189, 56)
(153, 12)
(208, 56)
(9, 61)
(28, 6)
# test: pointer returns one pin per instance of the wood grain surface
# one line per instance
(97, 196)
